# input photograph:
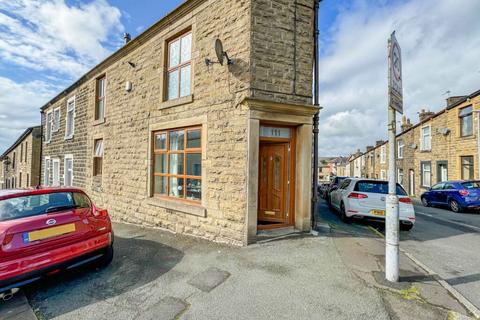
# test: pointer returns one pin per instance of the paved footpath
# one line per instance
(159, 275)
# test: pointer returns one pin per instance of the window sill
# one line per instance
(177, 102)
(68, 138)
(424, 151)
(470, 137)
(196, 210)
(98, 122)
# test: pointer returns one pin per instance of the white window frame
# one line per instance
(423, 171)
(56, 119)
(67, 157)
(401, 147)
(48, 126)
(55, 175)
(383, 174)
(383, 154)
(46, 171)
(422, 138)
(70, 103)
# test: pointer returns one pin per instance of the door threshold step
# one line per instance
(277, 233)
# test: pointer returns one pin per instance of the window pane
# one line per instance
(161, 141)
(100, 109)
(174, 54)
(466, 111)
(186, 48)
(99, 148)
(173, 85)
(194, 189)
(194, 164)
(185, 81)
(160, 185)
(467, 125)
(101, 88)
(161, 163)
(176, 187)
(193, 139)
(177, 140)
(176, 163)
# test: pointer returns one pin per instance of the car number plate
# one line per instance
(378, 212)
(48, 233)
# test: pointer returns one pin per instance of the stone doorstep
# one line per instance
(17, 308)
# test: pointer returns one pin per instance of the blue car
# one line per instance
(458, 195)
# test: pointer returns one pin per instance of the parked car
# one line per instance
(365, 199)
(457, 195)
(334, 184)
(44, 231)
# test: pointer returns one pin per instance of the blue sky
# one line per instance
(45, 45)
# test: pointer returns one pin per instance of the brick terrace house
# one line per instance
(159, 137)
(21, 161)
(441, 146)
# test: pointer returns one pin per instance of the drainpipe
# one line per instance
(41, 151)
(315, 117)
(478, 141)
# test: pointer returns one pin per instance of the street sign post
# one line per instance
(395, 103)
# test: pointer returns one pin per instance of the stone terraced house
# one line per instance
(442, 146)
(20, 163)
(160, 136)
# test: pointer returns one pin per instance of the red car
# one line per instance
(44, 231)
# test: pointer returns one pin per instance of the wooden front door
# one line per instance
(272, 206)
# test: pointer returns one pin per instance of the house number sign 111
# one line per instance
(274, 132)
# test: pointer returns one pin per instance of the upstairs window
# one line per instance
(177, 161)
(100, 98)
(466, 121)
(69, 118)
(26, 151)
(98, 158)
(383, 154)
(426, 139)
(14, 160)
(401, 146)
(56, 120)
(48, 129)
(179, 67)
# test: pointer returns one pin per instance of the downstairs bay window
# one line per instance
(177, 164)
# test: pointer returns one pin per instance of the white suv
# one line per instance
(365, 199)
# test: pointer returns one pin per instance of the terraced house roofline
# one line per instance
(180, 11)
(19, 140)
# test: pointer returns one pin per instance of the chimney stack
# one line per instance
(379, 142)
(405, 124)
(126, 37)
(452, 100)
(370, 148)
(425, 114)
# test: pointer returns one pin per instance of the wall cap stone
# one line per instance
(279, 107)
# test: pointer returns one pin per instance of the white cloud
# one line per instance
(440, 43)
(48, 40)
(20, 107)
(49, 35)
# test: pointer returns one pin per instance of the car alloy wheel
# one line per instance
(343, 215)
(425, 202)
(454, 206)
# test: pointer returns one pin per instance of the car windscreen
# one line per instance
(32, 205)
(471, 185)
(377, 187)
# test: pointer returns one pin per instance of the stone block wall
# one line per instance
(215, 104)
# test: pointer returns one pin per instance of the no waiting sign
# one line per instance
(395, 91)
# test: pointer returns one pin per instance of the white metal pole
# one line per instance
(392, 212)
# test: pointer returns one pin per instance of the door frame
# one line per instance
(439, 173)
(290, 174)
(411, 182)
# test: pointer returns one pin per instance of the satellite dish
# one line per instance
(219, 51)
